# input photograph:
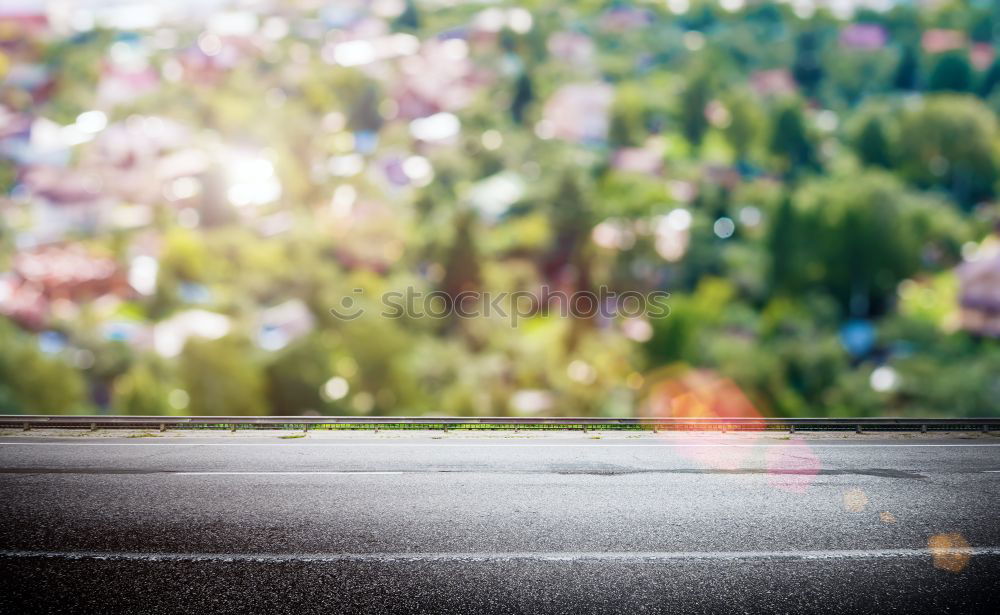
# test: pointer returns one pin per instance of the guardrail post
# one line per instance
(93, 427)
(923, 429)
(858, 429)
(27, 427)
(986, 428)
(655, 428)
(723, 428)
(305, 428)
(791, 429)
(163, 427)
(584, 428)
(445, 426)
(232, 427)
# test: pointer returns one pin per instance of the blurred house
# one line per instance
(23, 303)
(137, 334)
(441, 77)
(43, 277)
(64, 201)
(125, 81)
(572, 47)
(31, 140)
(721, 175)
(864, 36)
(979, 292)
(579, 112)
(642, 160)
(940, 40)
(982, 55)
(70, 272)
(169, 336)
(775, 82)
(22, 18)
(15, 133)
(134, 157)
(624, 18)
(281, 324)
(493, 195)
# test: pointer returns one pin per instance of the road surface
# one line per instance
(504, 523)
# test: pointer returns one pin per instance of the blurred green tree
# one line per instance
(791, 140)
(950, 142)
(745, 122)
(628, 117)
(873, 139)
(523, 97)
(990, 79)
(694, 99)
(297, 373)
(856, 240)
(143, 390)
(32, 382)
(952, 72)
(409, 19)
(221, 378)
(907, 76)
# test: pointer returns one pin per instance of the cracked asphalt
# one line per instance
(500, 523)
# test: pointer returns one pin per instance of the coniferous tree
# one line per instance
(409, 19)
(524, 95)
(952, 72)
(908, 70)
(694, 99)
(791, 141)
(873, 144)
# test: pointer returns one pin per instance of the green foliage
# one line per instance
(934, 385)
(221, 378)
(990, 79)
(950, 142)
(7, 176)
(792, 142)
(296, 374)
(524, 96)
(143, 390)
(840, 186)
(409, 19)
(677, 337)
(745, 122)
(694, 98)
(907, 75)
(628, 117)
(32, 382)
(874, 137)
(855, 241)
(808, 66)
(952, 72)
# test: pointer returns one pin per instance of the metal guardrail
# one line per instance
(445, 422)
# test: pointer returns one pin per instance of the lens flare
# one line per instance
(855, 501)
(951, 552)
(679, 391)
(791, 466)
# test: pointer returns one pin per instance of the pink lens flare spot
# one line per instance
(791, 466)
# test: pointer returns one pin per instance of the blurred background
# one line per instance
(188, 186)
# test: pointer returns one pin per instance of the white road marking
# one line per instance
(554, 556)
(491, 444)
(279, 472)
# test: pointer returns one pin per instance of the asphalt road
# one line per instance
(518, 524)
